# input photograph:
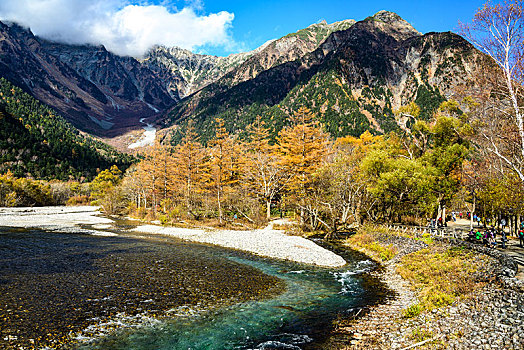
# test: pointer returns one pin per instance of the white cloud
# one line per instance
(123, 28)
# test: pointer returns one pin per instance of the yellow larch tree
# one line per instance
(191, 169)
(224, 164)
(165, 180)
(303, 146)
(262, 171)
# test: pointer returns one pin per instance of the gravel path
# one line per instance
(267, 242)
(490, 319)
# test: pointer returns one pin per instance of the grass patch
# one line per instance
(426, 238)
(412, 311)
(419, 334)
(441, 274)
(384, 252)
(367, 240)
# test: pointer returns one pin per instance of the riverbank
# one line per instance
(473, 301)
(267, 242)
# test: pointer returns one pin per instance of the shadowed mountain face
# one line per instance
(106, 94)
(351, 74)
(97, 91)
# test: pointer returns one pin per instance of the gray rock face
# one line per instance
(380, 63)
(185, 72)
(398, 27)
(96, 90)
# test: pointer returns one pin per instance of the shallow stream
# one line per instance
(148, 137)
(145, 292)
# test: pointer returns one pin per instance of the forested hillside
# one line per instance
(37, 142)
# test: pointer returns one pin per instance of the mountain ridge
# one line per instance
(181, 63)
(352, 74)
(106, 95)
(374, 66)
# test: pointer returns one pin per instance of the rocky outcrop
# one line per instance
(185, 72)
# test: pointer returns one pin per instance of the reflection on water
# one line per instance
(167, 288)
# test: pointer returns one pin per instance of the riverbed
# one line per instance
(104, 287)
(147, 138)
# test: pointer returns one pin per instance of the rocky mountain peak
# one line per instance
(388, 17)
(397, 27)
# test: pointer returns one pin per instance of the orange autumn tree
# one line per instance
(166, 182)
(191, 171)
(303, 146)
(223, 165)
(155, 174)
(148, 172)
(263, 173)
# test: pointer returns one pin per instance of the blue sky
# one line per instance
(132, 27)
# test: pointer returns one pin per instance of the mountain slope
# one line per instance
(186, 72)
(353, 81)
(105, 94)
(98, 91)
(36, 142)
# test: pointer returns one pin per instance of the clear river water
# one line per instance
(145, 292)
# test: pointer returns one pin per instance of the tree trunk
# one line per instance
(358, 219)
(219, 207)
(268, 209)
(471, 214)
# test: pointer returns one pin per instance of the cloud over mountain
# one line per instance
(123, 28)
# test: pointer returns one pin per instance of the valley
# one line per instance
(171, 181)
(320, 67)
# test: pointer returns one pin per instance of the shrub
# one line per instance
(412, 311)
(419, 334)
(385, 253)
(78, 200)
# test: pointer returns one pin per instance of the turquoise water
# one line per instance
(298, 318)
(110, 290)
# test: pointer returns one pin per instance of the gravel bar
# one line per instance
(266, 242)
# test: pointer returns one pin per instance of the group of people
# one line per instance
(486, 237)
(489, 236)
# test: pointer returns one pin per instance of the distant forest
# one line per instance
(36, 142)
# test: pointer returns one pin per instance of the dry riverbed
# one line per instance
(267, 242)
